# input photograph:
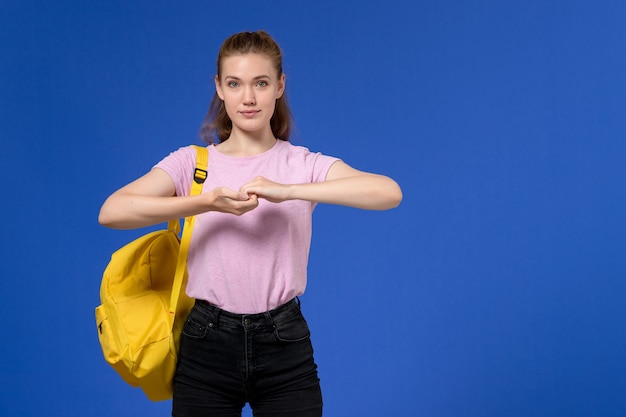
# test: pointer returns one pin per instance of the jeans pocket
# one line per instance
(294, 329)
(196, 325)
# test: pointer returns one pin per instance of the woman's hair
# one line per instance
(216, 123)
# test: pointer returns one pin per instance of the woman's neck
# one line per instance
(240, 144)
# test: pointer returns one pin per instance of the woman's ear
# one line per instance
(218, 88)
(281, 86)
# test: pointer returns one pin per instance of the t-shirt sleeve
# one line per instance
(319, 164)
(179, 165)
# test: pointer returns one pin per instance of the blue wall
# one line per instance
(495, 289)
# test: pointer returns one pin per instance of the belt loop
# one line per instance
(217, 312)
(269, 320)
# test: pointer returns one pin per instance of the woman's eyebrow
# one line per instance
(235, 78)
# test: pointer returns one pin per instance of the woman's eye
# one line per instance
(233, 84)
(262, 83)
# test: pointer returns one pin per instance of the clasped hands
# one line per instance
(247, 197)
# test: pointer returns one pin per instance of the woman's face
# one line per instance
(249, 87)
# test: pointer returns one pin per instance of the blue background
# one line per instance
(495, 289)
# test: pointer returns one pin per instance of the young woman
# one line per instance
(246, 340)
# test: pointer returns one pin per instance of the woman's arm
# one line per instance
(344, 186)
(151, 199)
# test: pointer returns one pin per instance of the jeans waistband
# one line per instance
(266, 319)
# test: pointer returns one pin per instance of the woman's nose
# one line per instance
(248, 96)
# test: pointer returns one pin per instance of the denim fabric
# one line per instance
(227, 360)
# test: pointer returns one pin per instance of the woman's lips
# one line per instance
(249, 113)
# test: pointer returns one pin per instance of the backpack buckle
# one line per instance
(199, 175)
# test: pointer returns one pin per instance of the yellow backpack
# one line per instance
(144, 305)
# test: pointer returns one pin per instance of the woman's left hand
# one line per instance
(343, 186)
(265, 189)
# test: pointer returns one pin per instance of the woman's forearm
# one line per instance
(128, 211)
(367, 191)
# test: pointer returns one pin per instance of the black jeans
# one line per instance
(226, 360)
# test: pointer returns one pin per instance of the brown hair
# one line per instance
(216, 123)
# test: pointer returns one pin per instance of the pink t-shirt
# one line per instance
(258, 261)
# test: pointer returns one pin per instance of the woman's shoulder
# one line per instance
(179, 158)
(314, 165)
(184, 152)
(293, 149)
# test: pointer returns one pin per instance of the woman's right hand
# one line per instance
(152, 199)
(225, 200)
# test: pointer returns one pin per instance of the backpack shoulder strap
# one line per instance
(200, 175)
